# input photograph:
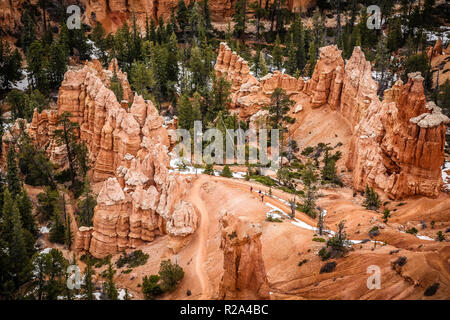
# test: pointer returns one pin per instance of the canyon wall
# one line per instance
(128, 149)
(112, 13)
(244, 274)
(397, 144)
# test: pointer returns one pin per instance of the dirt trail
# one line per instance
(202, 237)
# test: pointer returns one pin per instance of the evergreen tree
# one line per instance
(26, 212)
(382, 61)
(182, 15)
(277, 54)
(312, 53)
(185, 119)
(86, 205)
(88, 285)
(206, 14)
(98, 36)
(170, 275)
(239, 18)
(226, 172)
(10, 65)
(57, 63)
(141, 79)
(262, 65)
(298, 34)
(109, 286)
(12, 172)
(12, 233)
(37, 66)
(372, 201)
(116, 86)
(28, 35)
(291, 62)
(220, 97)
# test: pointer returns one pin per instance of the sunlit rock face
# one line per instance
(397, 144)
(128, 149)
(244, 275)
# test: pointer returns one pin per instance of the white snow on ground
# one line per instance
(97, 295)
(44, 229)
(22, 84)
(95, 51)
(122, 294)
(46, 250)
(182, 166)
(424, 237)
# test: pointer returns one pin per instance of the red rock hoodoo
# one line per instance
(397, 144)
(244, 274)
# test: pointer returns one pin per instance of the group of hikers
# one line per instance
(259, 192)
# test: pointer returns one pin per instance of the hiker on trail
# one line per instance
(259, 191)
(251, 189)
(262, 198)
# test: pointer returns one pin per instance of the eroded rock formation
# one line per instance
(128, 149)
(397, 144)
(244, 274)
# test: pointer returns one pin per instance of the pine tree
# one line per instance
(12, 172)
(262, 65)
(109, 287)
(12, 234)
(141, 79)
(226, 172)
(312, 52)
(299, 40)
(68, 231)
(10, 72)
(57, 63)
(185, 119)
(86, 205)
(239, 18)
(277, 54)
(182, 15)
(26, 212)
(291, 62)
(382, 61)
(116, 86)
(28, 34)
(88, 283)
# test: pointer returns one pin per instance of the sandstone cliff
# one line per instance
(128, 150)
(244, 274)
(397, 144)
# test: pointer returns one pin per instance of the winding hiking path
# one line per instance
(202, 237)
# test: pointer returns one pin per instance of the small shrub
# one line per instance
(170, 275)
(401, 261)
(302, 262)
(150, 287)
(440, 236)
(324, 254)
(431, 290)
(272, 219)
(328, 267)
(133, 259)
(318, 239)
(372, 201)
(374, 232)
(226, 172)
(209, 169)
(413, 231)
(386, 215)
